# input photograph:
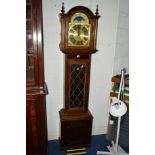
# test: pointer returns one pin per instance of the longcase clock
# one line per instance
(78, 42)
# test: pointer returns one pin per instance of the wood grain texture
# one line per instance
(36, 89)
(75, 130)
(75, 118)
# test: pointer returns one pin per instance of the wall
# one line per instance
(121, 59)
(101, 67)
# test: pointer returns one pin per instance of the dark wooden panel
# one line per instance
(76, 133)
(36, 130)
(75, 130)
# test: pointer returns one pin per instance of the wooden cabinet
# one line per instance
(34, 46)
(36, 90)
(36, 130)
(75, 130)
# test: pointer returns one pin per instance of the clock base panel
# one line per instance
(75, 131)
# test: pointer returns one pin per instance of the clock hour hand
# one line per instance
(78, 30)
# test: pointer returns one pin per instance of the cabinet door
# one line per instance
(76, 133)
(31, 124)
(34, 49)
(77, 82)
(36, 131)
(30, 56)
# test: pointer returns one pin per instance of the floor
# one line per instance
(98, 143)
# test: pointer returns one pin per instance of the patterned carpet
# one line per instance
(98, 143)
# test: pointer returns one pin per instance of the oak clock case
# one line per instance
(36, 89)
(78, 42)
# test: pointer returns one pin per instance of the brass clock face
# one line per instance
(79, 30)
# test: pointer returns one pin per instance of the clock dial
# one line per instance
(79, 35)
(79, 31)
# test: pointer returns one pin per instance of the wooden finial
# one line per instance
(63, 8)
(96, 10)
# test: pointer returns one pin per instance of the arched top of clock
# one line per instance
(82, 9)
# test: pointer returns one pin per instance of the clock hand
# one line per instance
(79, 28)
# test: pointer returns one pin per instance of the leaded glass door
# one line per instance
(77, 82)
